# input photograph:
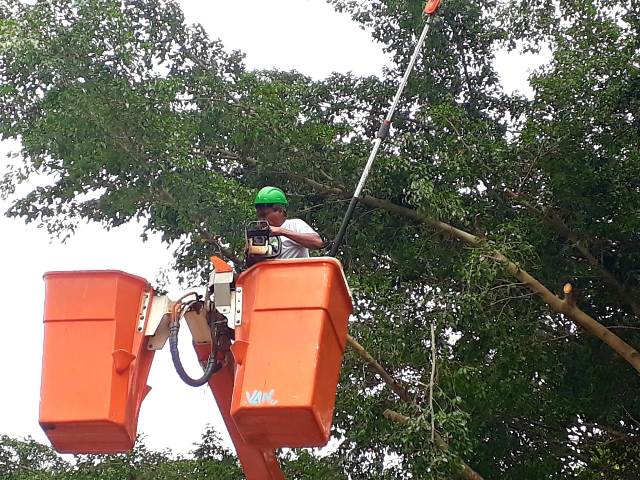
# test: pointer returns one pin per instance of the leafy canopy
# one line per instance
(131, 113)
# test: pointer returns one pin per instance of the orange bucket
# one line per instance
(95, 364)
(289, 350)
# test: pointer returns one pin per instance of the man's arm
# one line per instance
(312, 240)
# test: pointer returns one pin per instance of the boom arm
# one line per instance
(257, 464)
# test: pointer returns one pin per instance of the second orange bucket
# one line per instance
(95, 361)
(289, 350)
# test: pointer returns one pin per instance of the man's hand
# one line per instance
(277, 231)
(307, 240)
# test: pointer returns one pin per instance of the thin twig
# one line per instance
(431, 382)
(506, 299)
(514, 284)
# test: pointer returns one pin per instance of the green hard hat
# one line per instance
(271, 195)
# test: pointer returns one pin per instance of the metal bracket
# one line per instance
(159, 340)
(142, 314)
(222, 292)
(160, 306)
(198, 326)
(227, 301)
(158, 325)
(237, 313)
(157, 329)
(221, 282)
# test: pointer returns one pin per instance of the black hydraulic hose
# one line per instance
(212, 364)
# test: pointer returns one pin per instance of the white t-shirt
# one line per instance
(291, 249)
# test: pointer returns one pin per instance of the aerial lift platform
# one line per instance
(271, 343)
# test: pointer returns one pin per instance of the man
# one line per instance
(296, 235)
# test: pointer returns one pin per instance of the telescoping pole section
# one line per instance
(430, 10)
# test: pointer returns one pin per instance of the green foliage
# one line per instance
(130, 113)
(611, 460)
(28, 460)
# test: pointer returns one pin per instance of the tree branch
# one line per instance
(467, 472)
(226, 252)
(561, 228)
(391, 382)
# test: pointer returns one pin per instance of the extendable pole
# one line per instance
(383, 132)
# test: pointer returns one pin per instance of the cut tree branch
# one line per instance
(560, 227)
(467, 472)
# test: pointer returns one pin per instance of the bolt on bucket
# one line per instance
(288, 350)
(95, 364)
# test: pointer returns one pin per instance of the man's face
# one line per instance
(272, 214)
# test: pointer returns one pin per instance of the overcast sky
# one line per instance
(305, 35)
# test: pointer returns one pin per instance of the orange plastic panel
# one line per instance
(432, 6)
(289, 351)
(95, 364)
(220, 266)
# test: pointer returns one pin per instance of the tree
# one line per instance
(482, 206)
(27, 459)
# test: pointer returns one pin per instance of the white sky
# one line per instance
(305, 35)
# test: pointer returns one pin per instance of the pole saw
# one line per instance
(429, 10)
